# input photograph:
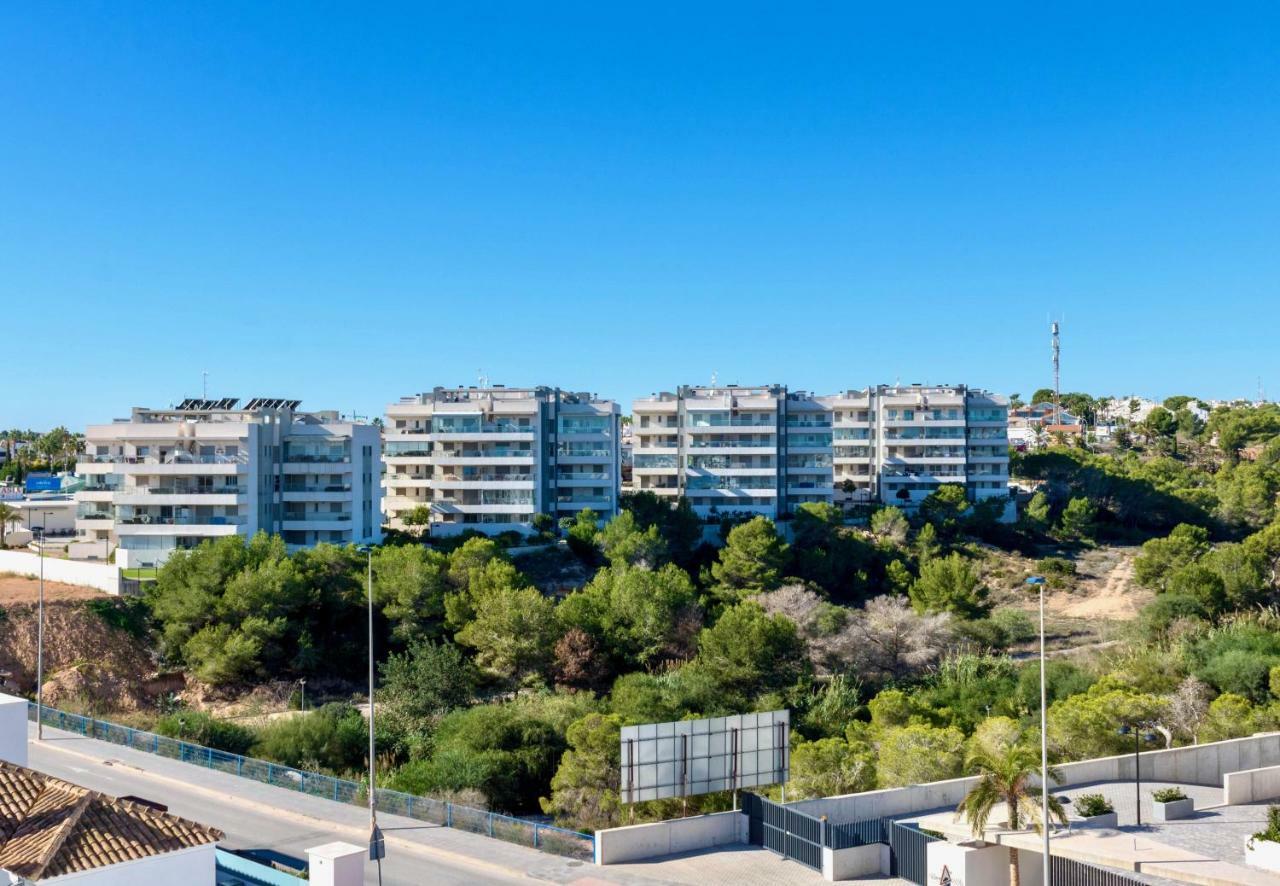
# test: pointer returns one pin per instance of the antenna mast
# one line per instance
(204, 385)
(1057, 393)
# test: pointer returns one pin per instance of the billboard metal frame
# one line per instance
(689, 757)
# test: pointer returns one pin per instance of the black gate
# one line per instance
(1069, 872)
(908, 852)
(787, 832)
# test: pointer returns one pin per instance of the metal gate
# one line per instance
(908, 852)
(1069, 872)
(789, 833)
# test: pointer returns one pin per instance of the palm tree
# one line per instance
(1004, 775)
(7, 515)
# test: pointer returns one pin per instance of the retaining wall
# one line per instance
(1251, 786)
(103, 576)
(1205, 764)
(640, 841)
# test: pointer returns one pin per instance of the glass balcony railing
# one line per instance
(315, 517)
(573, 451)
(702, 422)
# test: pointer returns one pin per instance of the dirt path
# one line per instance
(21, 589)
(1117, 598)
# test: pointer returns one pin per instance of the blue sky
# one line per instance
(346, 203)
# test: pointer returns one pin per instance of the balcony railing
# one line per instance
(181, 490)
(333, 487)
(239, 458)
(150, 520)
(485, 453)
(315, 516)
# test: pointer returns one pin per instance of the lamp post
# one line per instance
(377, 847)
(302, 687)
(1038, 582)
(44, 520)
(1139, 736)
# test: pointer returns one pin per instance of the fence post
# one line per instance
(208, 756)
(155, 744)
(270, 773)
(490, 824)
(335, 790)
(535, 835)
(411, 805)
(448, 814)
(239, 766)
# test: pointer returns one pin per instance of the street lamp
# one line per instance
(1038, 582)
(302, 687)
(44, 521)
(1139, 736)
(377, 847)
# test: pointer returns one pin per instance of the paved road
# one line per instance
(255, 816)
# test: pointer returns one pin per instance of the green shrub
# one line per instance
(1016, 624)
(1089, 805)
(1272, 832)
(332, 737)
(200, 728)
(1168, 795)
(1056, 566)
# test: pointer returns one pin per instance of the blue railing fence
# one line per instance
(545, 837)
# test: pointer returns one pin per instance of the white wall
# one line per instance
(641, 841)
(1251, 786)
(13, 729)
(968, 865)
(1204, 764)
(855, 863)
(103, 576)
(189, 867)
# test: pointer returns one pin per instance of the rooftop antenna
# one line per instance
(715, 379)
(482, 378)
(204, 384)
(1057, 393)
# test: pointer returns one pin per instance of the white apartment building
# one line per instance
(733, 450)
(765, 450)
(491, 458)
(897, 444)
(167, 479)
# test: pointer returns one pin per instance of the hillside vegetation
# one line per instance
(896, 646)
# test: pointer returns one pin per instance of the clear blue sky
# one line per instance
(344, 204)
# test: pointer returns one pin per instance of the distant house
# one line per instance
(52, 831)
(1038, 415)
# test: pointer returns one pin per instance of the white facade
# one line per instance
(165, 479)
(734, 450)
(766, 450)
(196, 866)
(489, 459)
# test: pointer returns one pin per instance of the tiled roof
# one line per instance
(49, 827)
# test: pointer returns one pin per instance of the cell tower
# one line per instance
(1057, 394)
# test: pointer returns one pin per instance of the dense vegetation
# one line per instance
(887, 641)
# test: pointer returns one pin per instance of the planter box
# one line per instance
(1174, 809)
(1263, 854)
(1106, 820)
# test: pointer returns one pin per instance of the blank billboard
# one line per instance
(702, 756)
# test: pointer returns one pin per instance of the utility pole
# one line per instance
(1057, 393)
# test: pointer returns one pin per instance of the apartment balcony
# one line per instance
(827, 489)
(638, 431)
(315, 521)
(156, 496)
(96, 493)
(211, 527)
(798, 427)
(207, 465)
(583, 456)
(924, 460)
(484, 481)
(577, 503)
(587, 478)
(728, 494)
(454, 506)
(729, 447)
(525, 435)
(408, 481)
(333, 492)
(492, 456)
(732, 428)
(731, 471)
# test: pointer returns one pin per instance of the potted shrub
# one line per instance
(1171, 803)
(1095, 811)
(1262, 850)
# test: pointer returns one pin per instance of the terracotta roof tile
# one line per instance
(49, 827)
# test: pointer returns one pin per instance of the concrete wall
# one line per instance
(641, 841)
(968, 865)
(103, 576)
(1204, 764)
(13, 729)
(1251, 786)
(190, 867)
(871, 860)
